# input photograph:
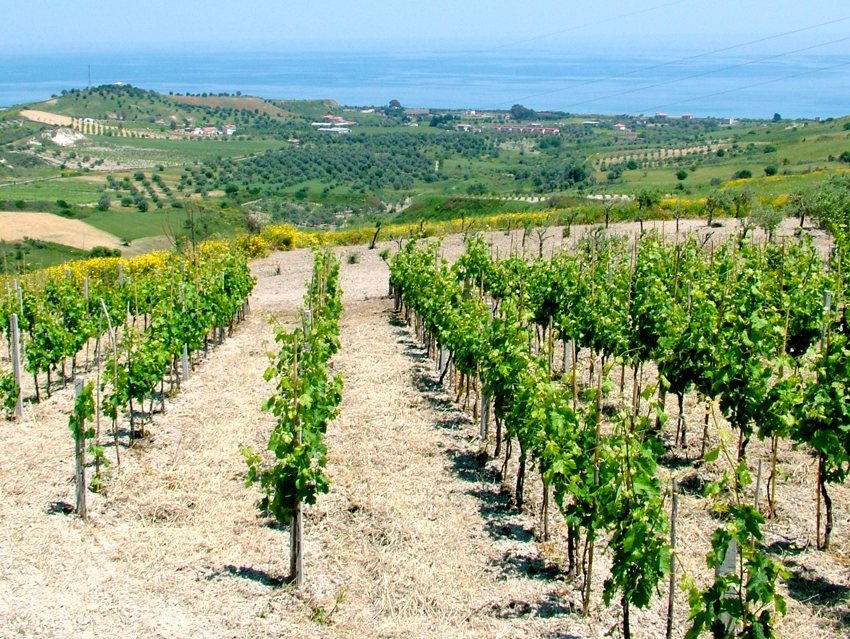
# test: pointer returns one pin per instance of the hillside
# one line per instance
(124, 158)
(128, 104)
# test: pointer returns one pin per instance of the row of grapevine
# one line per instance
(131, 322)
(744, 326)
(306, 398)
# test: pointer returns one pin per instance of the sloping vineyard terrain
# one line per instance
(421, 533)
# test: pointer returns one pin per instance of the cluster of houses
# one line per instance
(227, 129)
(619, 126)
(334, 124)
(534, 128)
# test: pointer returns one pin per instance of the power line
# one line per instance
(750, 86)
(578, 27)
(705, 73)
(553, 34)
(672, 62)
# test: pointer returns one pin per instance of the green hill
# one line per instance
(129, 105)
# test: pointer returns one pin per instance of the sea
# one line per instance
(808, 85)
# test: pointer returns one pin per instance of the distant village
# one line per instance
(227, 129)
(334, 124)
(339, 125)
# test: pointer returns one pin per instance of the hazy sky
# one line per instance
(87, 25)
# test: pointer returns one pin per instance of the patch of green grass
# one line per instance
(132, 224)
(30, 255)
(71, 190)
(453, 208)
(313, 109)
(170, 151)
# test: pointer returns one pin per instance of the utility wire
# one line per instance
(672, 62)
(705, 73)
(751, 86)
(577, 28)
(517, 43)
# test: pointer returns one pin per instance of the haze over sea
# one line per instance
(813, 84)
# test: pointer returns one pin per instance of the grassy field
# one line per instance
(71, 190)
(801, 152)
(132, 224)
(35, 254)
(442, 209)
(178, 151)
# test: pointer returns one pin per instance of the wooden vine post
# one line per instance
(114, 339)
(296, 530)
(485, 399)
(728, 566)
(671, 595)
(88, 314)
(80, 452)
(590, 546)
(185, 358)
(16, 363)
(820, 488)
(97, 388)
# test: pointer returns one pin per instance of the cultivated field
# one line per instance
(16, 225)
(47, 118)
(417, 537)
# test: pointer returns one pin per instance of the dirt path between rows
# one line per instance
(416, 533)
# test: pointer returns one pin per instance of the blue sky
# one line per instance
(121, 25)
(737, 57)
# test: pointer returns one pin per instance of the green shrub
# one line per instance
(103, 251)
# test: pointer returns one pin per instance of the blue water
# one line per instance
(574, 82)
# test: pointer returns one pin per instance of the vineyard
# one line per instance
(756, 331)
(132, 325)
(518, 420)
